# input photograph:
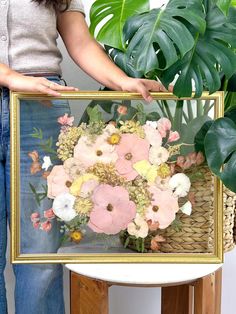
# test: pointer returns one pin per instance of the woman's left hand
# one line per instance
(143, 86)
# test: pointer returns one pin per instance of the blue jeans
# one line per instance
(39, 288)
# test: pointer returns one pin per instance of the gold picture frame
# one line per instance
(17, 257)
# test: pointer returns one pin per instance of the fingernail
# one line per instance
(149, 99)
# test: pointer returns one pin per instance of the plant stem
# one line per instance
(178, 116)
(190, 110)
(166, 106)
(199, 108)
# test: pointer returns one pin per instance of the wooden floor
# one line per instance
(90, 296)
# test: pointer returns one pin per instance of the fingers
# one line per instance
(144, 92)
(46, 90)
(53, 89)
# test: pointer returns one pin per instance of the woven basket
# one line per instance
(229, 218)
(195, 234)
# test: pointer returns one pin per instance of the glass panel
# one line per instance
(119, 177)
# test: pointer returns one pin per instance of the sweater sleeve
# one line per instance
(76, 5)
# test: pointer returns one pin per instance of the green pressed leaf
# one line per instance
(117, 12)
(213, 47)
(153, 116)
(94, 114)
(154, 40)
(220, 149)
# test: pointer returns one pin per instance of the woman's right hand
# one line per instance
(18, 83)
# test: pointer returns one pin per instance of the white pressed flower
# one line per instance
(180, 184)
(162, 183)
(153, 124)
(152, 135)
(110, 129)
(187, 208)
(63, 206)
(46, 163)
(158, 155)
(138, 228)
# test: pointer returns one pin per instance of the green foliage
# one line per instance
(39, 196)
(225, 5)
(117, 11)
(153, 37)
(94, 114)
(199, 64)
(38, 133)
(193, 39)
(200, 137)
(220, 149)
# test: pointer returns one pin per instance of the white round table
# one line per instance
(178, 280)
(144, 274)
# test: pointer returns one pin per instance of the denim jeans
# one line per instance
(39, 288)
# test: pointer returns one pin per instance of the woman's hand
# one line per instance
(143, 86)
(91, 58)
(18, 83)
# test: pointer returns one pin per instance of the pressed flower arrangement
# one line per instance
(122, 178)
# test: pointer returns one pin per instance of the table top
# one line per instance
(144, 274)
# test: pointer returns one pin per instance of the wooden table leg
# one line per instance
(218, 292)
(207, 294)
(177, 299)
(88, 296)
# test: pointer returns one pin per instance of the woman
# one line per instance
(30, 61)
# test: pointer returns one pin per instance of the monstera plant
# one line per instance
(192, 41)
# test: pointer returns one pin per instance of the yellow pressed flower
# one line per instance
(114, 139)
(83, 205)
(163, 171)
(76, 186)
(76, 236)
(146, 170)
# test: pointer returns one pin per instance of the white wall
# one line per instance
(129, 300)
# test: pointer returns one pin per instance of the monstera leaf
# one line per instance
(157, 38)
(213, 47)
(122, 61)
(225, 5)
(220, 150)
(117, 11)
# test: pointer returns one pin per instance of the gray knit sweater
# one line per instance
(28, 35)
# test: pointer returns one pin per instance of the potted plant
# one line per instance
(194, 41)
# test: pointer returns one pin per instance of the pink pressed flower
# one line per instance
(65, 120)
(163, 126)
(34, 217)
(46, 226)
(112, 211)
(122, 110)
(36, 224)
(155, 242)
(152, 226)
(90, 153)
(57, 180)
(49, 214)
(200, 158)
(163, 208)
(173, 137)
(88, 188)
(130, 150)
(153, 136)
